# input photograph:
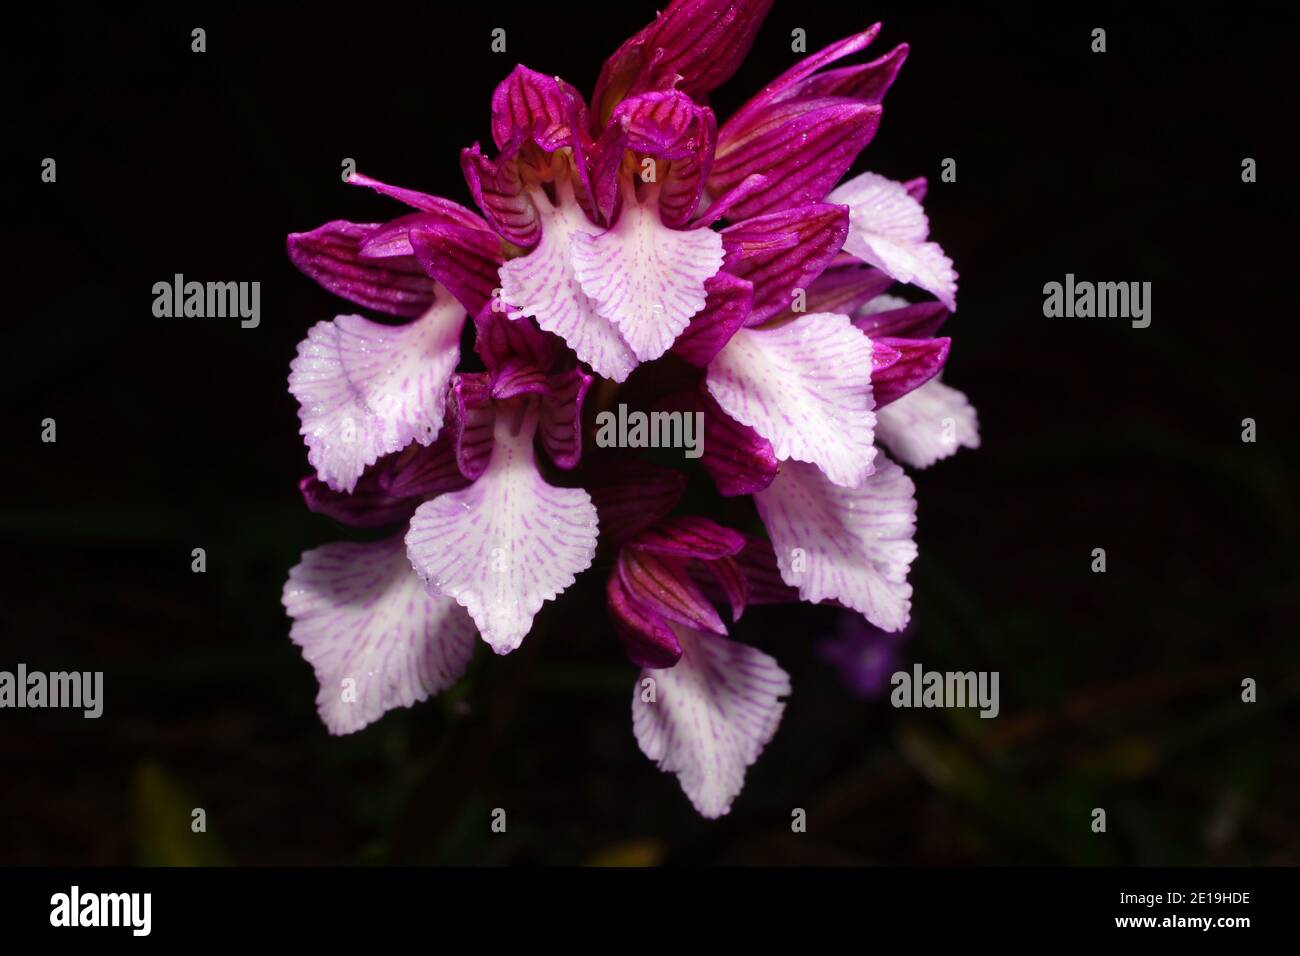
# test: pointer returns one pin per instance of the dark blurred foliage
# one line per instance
(1118, 690)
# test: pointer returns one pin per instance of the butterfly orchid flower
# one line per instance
(629, 241)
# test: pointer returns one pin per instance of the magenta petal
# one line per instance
(647, 638)
(845, 289)
(604, 160)
(783, 251)
(920, 321)
(738, 459)
(661, 585)
(757, 562)
(420, 471)
(500, 193)
(393, 238)
(518, 377)
(444, 209)
(727, 574)
(882, 355)
(560, 426)
(866, 82)
(681, 189)
(331, 254)
(462, 259)
(498, 339)
(689, 536)
(728, 305)
(658, 123)
(536, 107)
(802, 146)
(695, 45)
(631, 495)
(919, 361)
(722, 206)
(667, 126)
(369, 506)
(472, 421)
(789, 83)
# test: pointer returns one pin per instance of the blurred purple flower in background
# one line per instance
(863, 655)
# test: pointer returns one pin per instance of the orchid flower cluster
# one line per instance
(716, 269)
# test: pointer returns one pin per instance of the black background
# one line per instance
(1118, 690)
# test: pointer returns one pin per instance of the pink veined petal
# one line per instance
(648, 638)
(657, 123)
(444, 209)
(784, 251)
(866, 82)
(852, 545)
(331, 254)
(846, 289)
(499, 191)
(757, 563)
(919, 360)
(561, 417)
(693, 44)
(369, 506)
(888, 315)
(661, 585)
(929, 424)
(499, 338)
(738, 459)
(805, 386)
(689, 536)
(509, 542)
(728, 305)
(418, 472)
(882, 357)
(375, 637)
(542, 284)
(393, 238)
(631, 495)
(366, 389)
(722, 206)
(681, 189)
(462, 259)
(537, 107)
(518, 376)
(669, 127)
(888, 229)
(711, 716)
(803, 147)
(646, 279)
(789, 83)
(473, 422)
(727, 574)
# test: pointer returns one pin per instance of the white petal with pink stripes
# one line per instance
(711, 715)
(853, 545)
(375, 637)
(805, 386)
